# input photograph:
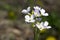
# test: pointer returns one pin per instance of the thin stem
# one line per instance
(36, 34)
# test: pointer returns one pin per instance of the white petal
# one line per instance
(42, 27)
(24, 11)
(27, 17)
(42, 11)
(37, 8)
(41, 23)
(26, 20)
(48, 27)
(45, 14)
(28, 9)
(46, 23)
(38, 25)
(34, 7)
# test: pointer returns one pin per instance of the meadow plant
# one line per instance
(34, 17)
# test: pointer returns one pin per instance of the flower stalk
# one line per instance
(35, 34)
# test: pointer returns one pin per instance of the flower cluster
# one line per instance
(35, 17)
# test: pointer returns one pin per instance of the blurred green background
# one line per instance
(13, 27)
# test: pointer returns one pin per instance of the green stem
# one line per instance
(36, 34)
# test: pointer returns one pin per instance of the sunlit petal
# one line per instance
(24, 11)
(37, 8)
(48, 27)
(27, 17)
(42, 11)
(28, 9)
(46, 23)
(45, 14)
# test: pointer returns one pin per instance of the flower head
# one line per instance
(29, 18)
(43, 25)
(37, 11)
(35, 16)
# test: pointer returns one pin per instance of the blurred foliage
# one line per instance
(30, 2)
(50, 38)
(55, 19)
(11, 15)
(7, 7)
(39, 2)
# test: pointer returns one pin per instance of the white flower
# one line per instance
(37, 11)
(29, 18)
(43, 25)
(43, 12)
(37, 8)
(26, 11)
